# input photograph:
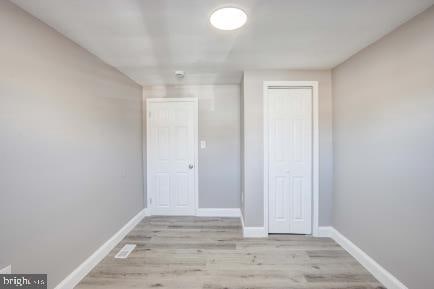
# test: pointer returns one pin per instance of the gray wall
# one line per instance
(242, 149)
(253, 140)
(384, 151)
(70, 149)
(219, 126)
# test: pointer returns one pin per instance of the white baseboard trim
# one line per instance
(81, 271)
(6, 270)
(325, 232)
(147, 212)
(253, 232)
(218, 212)
(382, 275)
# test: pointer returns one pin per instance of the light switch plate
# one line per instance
(6, 270)
(202, 144)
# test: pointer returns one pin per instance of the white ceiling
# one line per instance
(149, 39)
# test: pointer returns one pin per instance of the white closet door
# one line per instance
(172, 157)
(290, 160)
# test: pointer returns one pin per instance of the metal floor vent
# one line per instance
(125, 251)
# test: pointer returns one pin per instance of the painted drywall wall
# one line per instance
(384, 151)
(254, 147)
(70, 149)
(242, 162)
(219, 126)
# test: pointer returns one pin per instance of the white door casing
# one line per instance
(172, 156)
(290, 157)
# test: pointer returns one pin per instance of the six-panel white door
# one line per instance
(171, 157)
(289, 139)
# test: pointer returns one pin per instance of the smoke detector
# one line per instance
(179, 74)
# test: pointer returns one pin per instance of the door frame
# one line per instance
(193, 100)
(315, 147)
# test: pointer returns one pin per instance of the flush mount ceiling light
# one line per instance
(228, 18)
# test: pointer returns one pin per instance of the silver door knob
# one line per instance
(190, 166)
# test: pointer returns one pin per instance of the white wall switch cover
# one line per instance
(6, 270)
(202, 144)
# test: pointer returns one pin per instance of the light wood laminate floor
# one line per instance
(210, 253)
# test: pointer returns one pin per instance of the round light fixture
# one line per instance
(228, 18)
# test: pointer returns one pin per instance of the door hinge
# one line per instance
(149, 114)
(150, 201)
